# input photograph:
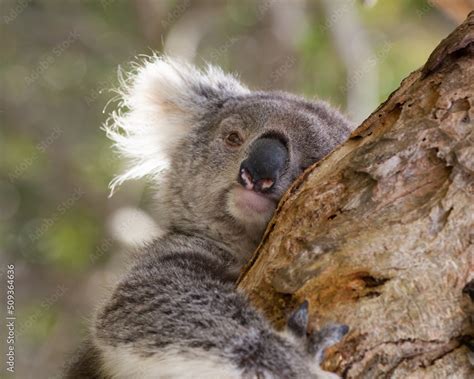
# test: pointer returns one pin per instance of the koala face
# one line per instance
(222, 155)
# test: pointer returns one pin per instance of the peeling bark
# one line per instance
(379, 235)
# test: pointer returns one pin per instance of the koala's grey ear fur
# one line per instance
(159, 102)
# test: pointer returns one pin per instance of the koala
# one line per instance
(222, 156)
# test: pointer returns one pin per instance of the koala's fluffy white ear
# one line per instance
(159, 102)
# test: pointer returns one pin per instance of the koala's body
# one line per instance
(223, 156)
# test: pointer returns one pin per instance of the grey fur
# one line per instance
(180, 296)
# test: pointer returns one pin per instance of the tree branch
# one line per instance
(379, 235)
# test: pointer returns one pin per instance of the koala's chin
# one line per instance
(250, 208)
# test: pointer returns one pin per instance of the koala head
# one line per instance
(222, 156)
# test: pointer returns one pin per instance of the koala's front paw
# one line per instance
(318, 340)
(327, 336)
(298, 321)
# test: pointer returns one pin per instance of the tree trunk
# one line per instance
(379, 235)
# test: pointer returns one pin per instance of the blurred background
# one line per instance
(59, 59)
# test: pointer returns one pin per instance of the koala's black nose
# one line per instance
(264, 164)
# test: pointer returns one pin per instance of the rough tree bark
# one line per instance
(379, 235)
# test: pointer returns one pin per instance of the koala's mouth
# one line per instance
(248, 200)
(250, 208)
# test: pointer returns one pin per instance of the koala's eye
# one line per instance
(234, 139)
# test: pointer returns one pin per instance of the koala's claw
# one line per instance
(318, 340)
(298, 321)
(325, 337)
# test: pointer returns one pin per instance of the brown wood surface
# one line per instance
(379, 235)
